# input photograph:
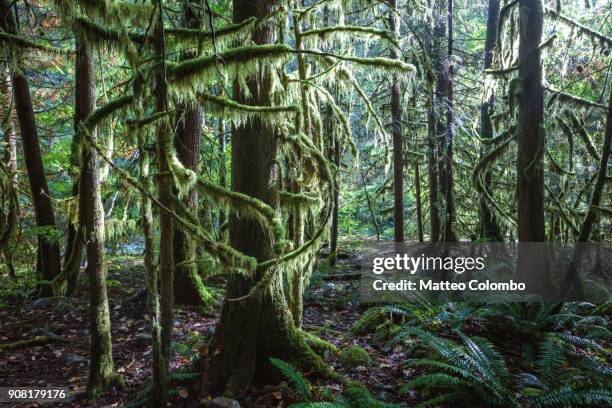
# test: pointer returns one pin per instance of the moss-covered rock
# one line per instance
(354, 356)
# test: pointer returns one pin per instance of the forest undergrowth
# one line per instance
(389, 355)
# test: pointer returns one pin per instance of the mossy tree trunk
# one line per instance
(188, 286)
(222, 172)
(449, 200)
(432, 131)
(10, 161)
(489, 228)
(533, 264)
(48, 247)
(257, 327)
(166, 226)
(101, 370)
(396, 126)
(417, 193)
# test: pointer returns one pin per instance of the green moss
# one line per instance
(371, 319)
(354, 356)
(318, 345)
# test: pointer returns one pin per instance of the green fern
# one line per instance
(294, 377)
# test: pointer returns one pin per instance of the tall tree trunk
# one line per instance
(419, 211)
(449, 202)
(260, 326)
(188, 286)
(10, 161)
(151, 271)
(333, 240)
(49, 252)
(533, 264)
(435, 125)
(74, 243)
(222, 172)
(101, 370)
(489, 228)
(591, 216)
(166, 226)
(432, 174)
(396, 120)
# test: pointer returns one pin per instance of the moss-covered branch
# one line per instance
(20, 41)
(351, 30)
(592, 34)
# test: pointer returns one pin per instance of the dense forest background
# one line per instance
(188, 189)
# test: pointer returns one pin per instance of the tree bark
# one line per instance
(257, 327)
(533, 264)
(10, 160)
(50, 265)
(101, 369)
(489, 228)
(222, 172)
(188, 286)
(419, 211)
(396, 121)
(333, 240)
(166, 226)
(449, 203)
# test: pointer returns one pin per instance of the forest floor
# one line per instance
(331, 308)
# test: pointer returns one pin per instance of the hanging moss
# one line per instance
(230, 31)
(595, 36)
(351, 30)
(298, 202)
(582, 132)
(571, 100)
(23, 42)
(239, 58)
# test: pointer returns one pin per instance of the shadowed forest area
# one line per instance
(191, 193)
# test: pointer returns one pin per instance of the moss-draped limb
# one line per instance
(182, 73)
(20, 41)
(244, 206)
(228, 256)
(479, 171)
(562, 211)
(571, 100)
(229, 30)
(583, 133)
(595, 36)
(298, 201)
(354, 30)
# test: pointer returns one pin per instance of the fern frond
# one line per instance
(297, 381)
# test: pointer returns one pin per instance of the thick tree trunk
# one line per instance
(489, 228)
(50, 264)
(396, 121)
(533, 263)
(188, 286)
(101, 370)
(257, 327)
(166, 226)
